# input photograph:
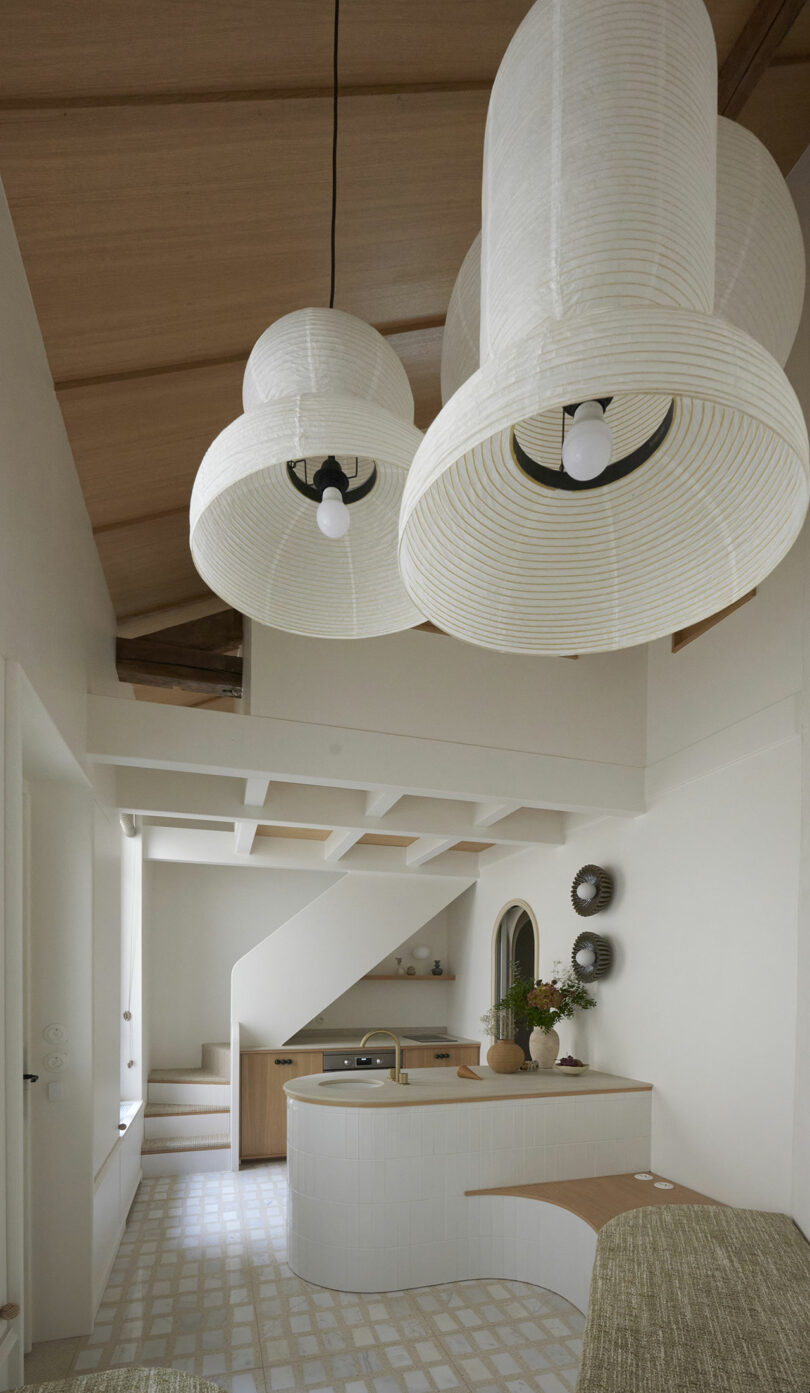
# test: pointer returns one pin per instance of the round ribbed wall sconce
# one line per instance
(592, 890)
(599, 248)
(591, 957)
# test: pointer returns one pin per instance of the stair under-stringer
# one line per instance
(187, 1117)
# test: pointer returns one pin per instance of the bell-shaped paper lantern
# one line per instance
(597, 285)
(759, 268)
(318, 383)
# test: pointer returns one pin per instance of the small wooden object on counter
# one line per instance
(464, 1072)
(263, 1102)
(505, 1057)
(439, 1056)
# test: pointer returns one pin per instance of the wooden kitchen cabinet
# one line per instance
(438, 1056)
(263, 1102)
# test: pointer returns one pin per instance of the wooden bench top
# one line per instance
(601, 1197)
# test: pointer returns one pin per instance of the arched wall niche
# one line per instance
(515, 938)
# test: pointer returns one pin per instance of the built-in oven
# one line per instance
(355, 1059)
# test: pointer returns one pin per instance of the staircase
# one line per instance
(187, 1117)
(318, 954)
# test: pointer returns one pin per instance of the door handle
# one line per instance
(29, 1078)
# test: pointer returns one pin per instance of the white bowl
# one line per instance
(571, 1068)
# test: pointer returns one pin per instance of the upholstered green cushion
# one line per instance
(128, 1381)
(696, 1299)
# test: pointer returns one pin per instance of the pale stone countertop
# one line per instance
(442, 1085)
(350, 1038)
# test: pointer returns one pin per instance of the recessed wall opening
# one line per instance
(515, 946)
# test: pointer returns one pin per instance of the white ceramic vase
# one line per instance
(544, 1046)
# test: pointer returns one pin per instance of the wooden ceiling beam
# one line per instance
(684, 636)
(388, 330)
(214, 633)
(755, 48)
(248, 94)
(152, 664)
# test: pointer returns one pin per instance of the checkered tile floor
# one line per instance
(201, 1283)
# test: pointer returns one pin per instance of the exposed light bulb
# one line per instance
(333, 515)
(586, 957)
(588, 446)
(586, 890)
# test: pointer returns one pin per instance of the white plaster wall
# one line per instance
(57, 623)
(399, 1004)
(799, 373)
(199, 920)
(701, 1001)
(56, 618)
(427, 685)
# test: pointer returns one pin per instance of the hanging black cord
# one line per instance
(334, 156)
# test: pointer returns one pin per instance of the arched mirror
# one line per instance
(515, 941)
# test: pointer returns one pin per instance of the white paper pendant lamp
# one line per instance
(318, 383)
(759, 268)
(597, 284)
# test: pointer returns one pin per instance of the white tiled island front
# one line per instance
(378, 1173)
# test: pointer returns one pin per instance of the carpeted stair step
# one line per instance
(153, 1146)
(182, 1109)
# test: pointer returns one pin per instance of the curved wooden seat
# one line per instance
(549, 1230)
(601, 1197)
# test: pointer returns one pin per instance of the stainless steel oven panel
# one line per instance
(358, 1059)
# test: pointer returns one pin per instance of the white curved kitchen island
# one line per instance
(378, 1173)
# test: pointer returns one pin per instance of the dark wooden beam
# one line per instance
(214, 633)
(693, 631)
(753, 51)
(152, 664)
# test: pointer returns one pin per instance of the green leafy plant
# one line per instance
(538, 1003)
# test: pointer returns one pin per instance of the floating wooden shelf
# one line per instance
(403, 977)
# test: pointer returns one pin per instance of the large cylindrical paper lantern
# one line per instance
(759, 266)
(318, 383)
(597, 283)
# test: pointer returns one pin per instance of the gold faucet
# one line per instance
(396, 1073)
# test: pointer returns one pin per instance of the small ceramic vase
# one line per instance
(544, 1046)
(437, 970)
(504, 1057)
(400, 968)
(410, 971)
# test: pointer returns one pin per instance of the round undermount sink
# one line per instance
(353, 1083)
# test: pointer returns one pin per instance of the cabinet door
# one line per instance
(439, 1056)
(263, 1102)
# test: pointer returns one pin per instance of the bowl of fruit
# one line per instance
(570, 1065)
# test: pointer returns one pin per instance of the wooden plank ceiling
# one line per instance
(167, 167)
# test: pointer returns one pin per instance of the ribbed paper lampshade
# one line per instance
(318, 382)
(597, 281)
(759, 264)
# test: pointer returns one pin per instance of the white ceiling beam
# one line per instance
(381, 802)
(146, 733)
(487, 814)
(257, 787)
(164, 793)
(340, 842)
(188, 846)
(244, 835)
(155, 619)
(425, 849)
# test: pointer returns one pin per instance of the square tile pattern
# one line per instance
(201, 1283)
